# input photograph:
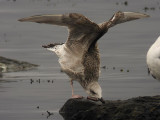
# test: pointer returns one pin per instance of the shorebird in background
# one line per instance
(153, 59)
(79, 55)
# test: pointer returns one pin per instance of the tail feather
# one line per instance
(56, 47)
(51, 45)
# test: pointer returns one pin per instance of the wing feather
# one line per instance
(81, 30)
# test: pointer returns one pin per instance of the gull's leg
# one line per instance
(74, 96)
(72, 88)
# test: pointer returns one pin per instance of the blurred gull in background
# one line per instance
(153, 59)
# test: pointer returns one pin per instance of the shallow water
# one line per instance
(123, 47)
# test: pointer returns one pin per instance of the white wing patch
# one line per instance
(67, 59)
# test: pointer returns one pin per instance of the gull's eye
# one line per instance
(92, 92)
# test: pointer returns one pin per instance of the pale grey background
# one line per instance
(123, 47)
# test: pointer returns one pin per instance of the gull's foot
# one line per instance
(77, 97)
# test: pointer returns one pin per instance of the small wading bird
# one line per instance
(153, 59)
(79, 55)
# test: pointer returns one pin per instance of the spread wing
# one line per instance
(82, 31)
(121, 17)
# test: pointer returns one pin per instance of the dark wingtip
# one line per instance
(51, 45)
(48, 46)
(21, 20)
(44, 46)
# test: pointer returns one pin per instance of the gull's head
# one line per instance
(94, 90)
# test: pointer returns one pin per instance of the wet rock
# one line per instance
(10, 65)
(140, 108)
(1, 74)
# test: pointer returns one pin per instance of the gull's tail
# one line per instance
(58, 48)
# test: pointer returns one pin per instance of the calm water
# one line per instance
(124, 47)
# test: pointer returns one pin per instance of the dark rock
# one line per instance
(140, 108)
(1, 74)
(10, 65)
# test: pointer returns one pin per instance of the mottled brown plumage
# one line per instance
(79, 55)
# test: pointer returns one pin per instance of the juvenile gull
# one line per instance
(153, 59)
(79, 55)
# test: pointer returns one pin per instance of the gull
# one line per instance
(79, 56)
(153, 59)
